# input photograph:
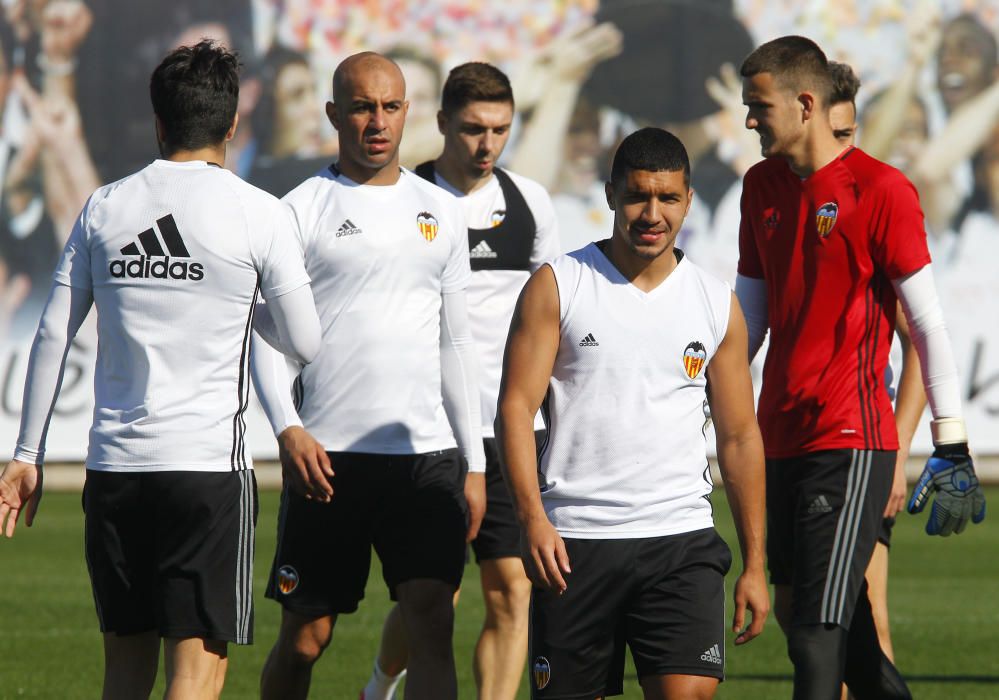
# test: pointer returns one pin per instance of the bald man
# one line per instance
(382, 444)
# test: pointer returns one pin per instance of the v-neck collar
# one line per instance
(610, 269)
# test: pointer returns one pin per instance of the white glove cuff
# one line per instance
(947, 431)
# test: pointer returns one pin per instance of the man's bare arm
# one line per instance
(740, 458)
(527, 366)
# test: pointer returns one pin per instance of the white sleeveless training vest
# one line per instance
(626, 456)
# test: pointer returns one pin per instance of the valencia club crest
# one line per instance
(542, 672)
(694, 357)
(825, 218)
(428, 225)
(287, 579)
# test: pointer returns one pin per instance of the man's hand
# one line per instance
(544, 555)
(752, 594)
(475, 495)
(305, 464)
(899, 487)
(951, 474)
(20, 488)
(569, 58)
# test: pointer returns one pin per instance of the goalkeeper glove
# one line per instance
(951, 474)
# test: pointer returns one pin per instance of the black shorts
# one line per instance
(824, 513)
(499, 535)
(411, 508)
(172, 552)
(884, 534)
(663, 596)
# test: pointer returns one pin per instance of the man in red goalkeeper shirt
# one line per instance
(829, 239)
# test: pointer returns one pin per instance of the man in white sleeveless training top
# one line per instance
(174, 257)
(621, 341)
(390, 404)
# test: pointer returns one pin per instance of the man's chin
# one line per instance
(378, 160)
(648, 252)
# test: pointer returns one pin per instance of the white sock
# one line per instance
(381, 686)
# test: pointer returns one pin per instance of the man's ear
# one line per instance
(332, 115)
(609, 192)
(232, 129)
(809, 104)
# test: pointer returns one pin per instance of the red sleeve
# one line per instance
(750, 264)
(898, 236)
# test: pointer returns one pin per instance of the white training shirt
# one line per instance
(626, 455)
(492, 294)
(380, 258)
(174, 256)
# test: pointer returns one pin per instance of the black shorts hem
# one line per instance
(130, 632)
(501, 554)
(599, 693)
(718, 673)
(307, 611)
(213, 635)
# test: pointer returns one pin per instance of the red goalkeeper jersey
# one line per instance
(828, 247)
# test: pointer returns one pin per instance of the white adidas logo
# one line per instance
(819, 505)
(482, 250)
(713, 655)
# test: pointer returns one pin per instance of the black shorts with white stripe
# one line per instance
(824, 514)
(172, 552)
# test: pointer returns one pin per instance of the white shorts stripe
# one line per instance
(244, 560)
(844, 544)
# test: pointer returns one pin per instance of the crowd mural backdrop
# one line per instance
(74, 114)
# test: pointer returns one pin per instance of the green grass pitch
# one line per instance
(943, 595)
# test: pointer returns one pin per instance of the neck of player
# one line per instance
(643, 272)
(214, 155)
(817, 151)
(458, 175)
(385, 175)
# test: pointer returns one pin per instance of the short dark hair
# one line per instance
(194, 91)
(845, 83)
(474, 82)
(651, 149)
(795, 62)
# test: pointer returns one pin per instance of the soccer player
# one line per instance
(623, 340)
(512, 231)
(830, 239)
(910, 399)
(174, 258)
(390, 393)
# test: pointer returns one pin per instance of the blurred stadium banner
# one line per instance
(74, 85)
